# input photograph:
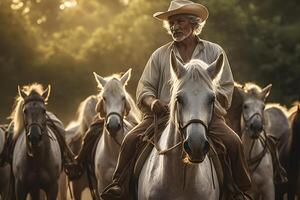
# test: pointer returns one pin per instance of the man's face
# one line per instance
(180, 27)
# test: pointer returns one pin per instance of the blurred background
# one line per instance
(61, 42)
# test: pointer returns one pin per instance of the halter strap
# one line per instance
(247, 120)
(192, 121)
(121, 118)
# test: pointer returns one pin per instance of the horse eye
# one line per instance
(25, 111)
(245, 107)
(179, 99)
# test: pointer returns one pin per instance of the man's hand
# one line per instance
(159, 107)
(156, 106)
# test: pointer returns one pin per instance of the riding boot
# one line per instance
(280, 175)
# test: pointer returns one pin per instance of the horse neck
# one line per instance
(253, 145)
(172, 161)
(110, 146)
(42, 151)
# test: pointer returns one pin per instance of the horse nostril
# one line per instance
(256, 127)
(206, 147)
(187, 147)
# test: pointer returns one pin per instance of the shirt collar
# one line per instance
(197, 50)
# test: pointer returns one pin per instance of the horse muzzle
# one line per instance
(34, 135)
(195, 150)
(113, 125)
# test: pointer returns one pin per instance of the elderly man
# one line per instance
(184, 21)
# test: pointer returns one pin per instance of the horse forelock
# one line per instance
(195, 71)
(115, 87)
(33, 91)
(252, 89)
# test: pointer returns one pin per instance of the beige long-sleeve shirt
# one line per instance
(157, 73)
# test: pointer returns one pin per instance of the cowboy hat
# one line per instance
(183, 7)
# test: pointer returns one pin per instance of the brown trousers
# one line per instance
(217, 129)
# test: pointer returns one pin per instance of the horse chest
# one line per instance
(161, 182)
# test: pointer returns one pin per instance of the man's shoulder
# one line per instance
(211, 45)
(163, 49)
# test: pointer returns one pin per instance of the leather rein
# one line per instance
(254, 162)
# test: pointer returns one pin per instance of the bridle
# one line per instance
(181, 129)
(246, 127)
(28, 126)
(122, 124)
(254, 162)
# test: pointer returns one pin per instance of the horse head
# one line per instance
(192, 103)
(34, 114)
(252, 119)
(113, 103)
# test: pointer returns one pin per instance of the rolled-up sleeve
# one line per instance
(149, 81)
(226, 84)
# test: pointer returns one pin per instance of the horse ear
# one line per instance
(241, 91)
(265, 92)
(125, 78)
(177, 67)
(21, 93)
(215, 67)
(100, 80)
(46, 93)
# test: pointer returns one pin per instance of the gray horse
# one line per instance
(254, 139)
(37, 160)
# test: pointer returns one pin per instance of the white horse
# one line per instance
(253, 135)
(37, 160)
(192, 104)
(121, 115)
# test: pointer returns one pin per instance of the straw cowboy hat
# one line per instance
(183, 7)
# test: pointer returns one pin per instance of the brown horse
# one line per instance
(37, 160)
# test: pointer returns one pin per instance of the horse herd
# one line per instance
(37, 162)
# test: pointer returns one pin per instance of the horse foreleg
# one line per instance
(20, 191)
(78, 187)
(268, 190)
(51, 191)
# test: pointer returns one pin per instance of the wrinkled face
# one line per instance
(34, 113)
(195, 101)
(180, 27)
(253, 116)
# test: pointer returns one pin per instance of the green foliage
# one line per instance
(49, 42)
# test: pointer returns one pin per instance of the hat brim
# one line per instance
(194, 9)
